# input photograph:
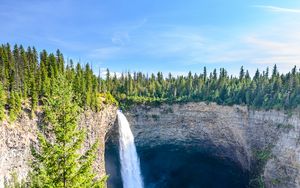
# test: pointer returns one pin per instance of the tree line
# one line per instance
(26, 78)
(265, 90)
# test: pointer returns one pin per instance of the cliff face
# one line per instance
(16, 138)
(235, 133)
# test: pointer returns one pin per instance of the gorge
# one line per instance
(252, 144)
(256, 146)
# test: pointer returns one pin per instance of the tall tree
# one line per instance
(2, 102)
(15, 107)
(58, 162)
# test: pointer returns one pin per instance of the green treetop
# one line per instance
(58, 161)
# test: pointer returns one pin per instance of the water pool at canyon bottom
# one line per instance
(174, 166)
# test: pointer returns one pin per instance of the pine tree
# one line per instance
(242, 73)
(44, 73)
(34, 98)
(2, 102)
(14, 103)
(58, 162)
(204, 73)
(108, 80)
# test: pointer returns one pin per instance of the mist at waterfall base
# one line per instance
(175, 166)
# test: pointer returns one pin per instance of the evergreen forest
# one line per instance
(27, 75)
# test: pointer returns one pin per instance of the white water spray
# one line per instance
(130, 164)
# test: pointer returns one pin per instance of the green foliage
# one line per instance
(25, 74)
(34, 100)
(258, 182)
(14, 182)
(276, 181)
(57, 161)
(2, 102)
(261, 182)
(261, 158)
(263, 155)
(31, 76)
(107, 98)
(129, 101)
(15, 105)
(280, 92)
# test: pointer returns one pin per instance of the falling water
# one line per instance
(130, 165)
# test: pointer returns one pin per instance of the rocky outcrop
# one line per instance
(236, 133)
(16, 138)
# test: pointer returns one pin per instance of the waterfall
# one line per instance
(130, 164)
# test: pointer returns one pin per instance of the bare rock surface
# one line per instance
(235, 133)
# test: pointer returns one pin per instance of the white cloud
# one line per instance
(284, 53)
(104, 52)
(175, 43)
(278, 9)
(120, 38)
(103, 73)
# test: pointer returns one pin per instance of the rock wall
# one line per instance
(235, 133)
(16, 138)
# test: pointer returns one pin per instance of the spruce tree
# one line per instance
(2, 102)
(34, 98)
(14, 103)
(57, 161)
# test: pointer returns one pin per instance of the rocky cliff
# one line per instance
(246, 137)
(249, 138)
(16, 138)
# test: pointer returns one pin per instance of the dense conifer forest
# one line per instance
(265, 90)
(26, 77)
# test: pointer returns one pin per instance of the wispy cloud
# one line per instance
(280, 51)
(175, 42)
(189, 46)
(273, 43)
(104, 52)
(278, 9)
(120, 38)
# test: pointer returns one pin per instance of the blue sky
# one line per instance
(155, 35)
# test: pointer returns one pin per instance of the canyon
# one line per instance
(264, 144)
(258, 143)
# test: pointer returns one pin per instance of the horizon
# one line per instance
(152, 36)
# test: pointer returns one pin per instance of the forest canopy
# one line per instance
(26, 76)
